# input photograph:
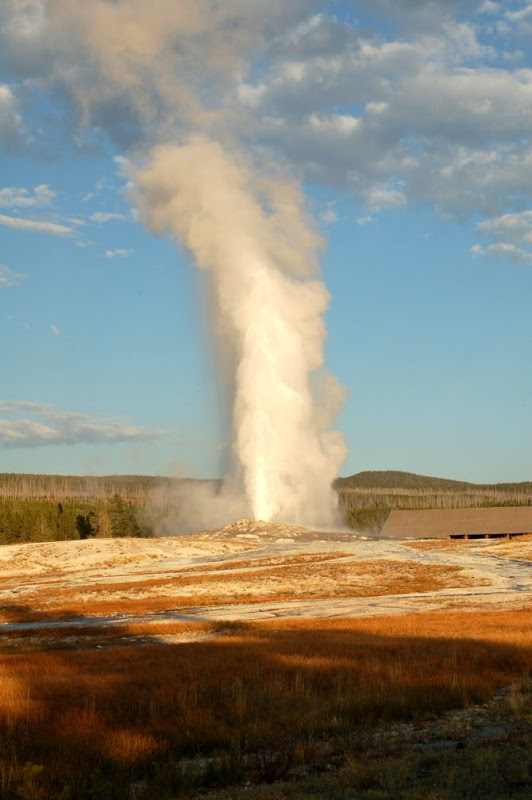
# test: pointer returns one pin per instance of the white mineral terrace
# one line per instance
(285, 571)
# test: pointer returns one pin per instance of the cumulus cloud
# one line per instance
(36, 226)
(17, 197)
(426, 106)
(505, 250)
(429, 108)
(512, 234)
(515, 228)
(382, 197)
(127, 65)
(27, 424)
(9, 277)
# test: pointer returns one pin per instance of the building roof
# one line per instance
(441, 523)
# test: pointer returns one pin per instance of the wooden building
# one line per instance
(459, 523)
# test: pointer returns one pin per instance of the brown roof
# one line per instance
(441, 523)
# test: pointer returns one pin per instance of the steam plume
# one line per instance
(166, 72)
(251, 234)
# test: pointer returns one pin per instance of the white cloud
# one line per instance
(425, 106)
(458, 138)
(27, 424)
(118, 253)
(36, 226)
(381, 197)
(55, 330)
(23, 198)
(503, 250)
(520, 19)
(512, 234)
(362, 221)
(488, 7)
(9, 278)
(329, 213)
(419, 16)
(102, 216)
(515, 228)
(12, 128)
(429, 112)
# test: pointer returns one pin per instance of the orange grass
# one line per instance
(314, 581)
(516, 544)
(133, 712)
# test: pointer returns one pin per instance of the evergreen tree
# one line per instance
(86, 525)
(122, 517)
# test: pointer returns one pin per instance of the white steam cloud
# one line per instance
(160, 78)
(251, 233)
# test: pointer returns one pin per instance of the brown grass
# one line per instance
(517, 543)
(297, 579)
(131, 712)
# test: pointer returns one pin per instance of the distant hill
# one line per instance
(395, 479)
(49, 507)
(88, 487)
(138, 486)
(367, 497)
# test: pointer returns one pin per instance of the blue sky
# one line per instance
(408, 125)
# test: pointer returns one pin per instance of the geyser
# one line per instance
(250, 231)
(163, 80)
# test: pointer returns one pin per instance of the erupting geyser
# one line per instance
(166, 81)
(250, 231)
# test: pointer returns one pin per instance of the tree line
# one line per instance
(367, 509)
(91, 488)
(28, 520)
(41, 508)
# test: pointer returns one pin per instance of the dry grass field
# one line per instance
(257, 661)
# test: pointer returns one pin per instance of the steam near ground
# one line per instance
(195, 507)
(199, 506)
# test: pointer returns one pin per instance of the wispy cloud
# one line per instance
(9, 278)
(328, 213)
(118, 253)
(505, 250)
(28, 424)
(104, 216)
(381, 197)
(12, 128)
(36, 226)
(512, 234)
(18, 197)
